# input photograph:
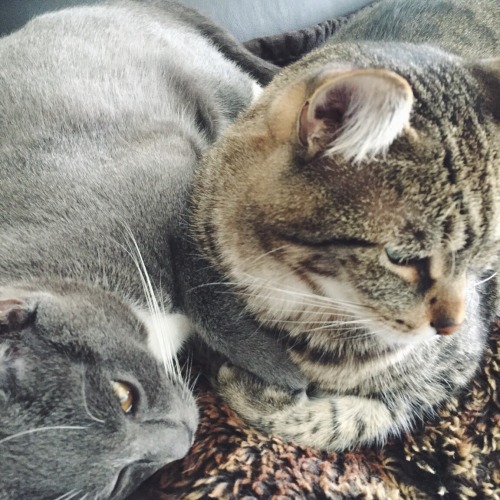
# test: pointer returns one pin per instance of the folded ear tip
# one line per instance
(357, 113)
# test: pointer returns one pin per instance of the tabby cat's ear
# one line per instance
(488, 74)
(356, 113)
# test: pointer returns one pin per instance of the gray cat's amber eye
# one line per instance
(125, 395)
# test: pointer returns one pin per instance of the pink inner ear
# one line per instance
(333, 105)
(14, 314)
(325, 116)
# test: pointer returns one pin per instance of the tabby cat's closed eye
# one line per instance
(400, 259)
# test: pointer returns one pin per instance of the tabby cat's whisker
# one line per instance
(308, 299)
(322, 309)
(453, 262)
(326, 309)
(340, 328)
(40, 429)
(306, 295)
(84, 496)
(329, 323)
(364, 335)
(314, 322)
(314, 300)
(254, 260)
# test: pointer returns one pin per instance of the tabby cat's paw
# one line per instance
(251, 397)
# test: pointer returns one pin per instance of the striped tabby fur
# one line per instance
(356, 206)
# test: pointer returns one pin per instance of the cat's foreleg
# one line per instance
(329, 422)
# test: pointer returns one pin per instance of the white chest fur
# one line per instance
(166, 332)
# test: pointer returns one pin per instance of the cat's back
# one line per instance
(104, 111)
(116, 61)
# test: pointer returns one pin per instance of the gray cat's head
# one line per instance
(361, 195)
(86, 410)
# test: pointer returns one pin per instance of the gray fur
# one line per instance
(104, 113)
(306, 233)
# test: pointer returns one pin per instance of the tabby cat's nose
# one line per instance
(446, 326)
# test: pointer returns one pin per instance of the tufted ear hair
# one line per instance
(487, 72)
(15, 314)
(355, 113)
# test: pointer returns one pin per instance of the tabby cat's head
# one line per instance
(86, 410)
(364, 193)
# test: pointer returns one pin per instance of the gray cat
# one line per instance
(355, 208)
(104, 113)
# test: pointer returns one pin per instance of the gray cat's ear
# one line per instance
(487, 73)
(15, 314)
(357, 114)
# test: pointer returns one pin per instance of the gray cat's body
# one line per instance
(355, 207)
(104, 112)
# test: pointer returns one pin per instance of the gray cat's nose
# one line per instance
(167, 441)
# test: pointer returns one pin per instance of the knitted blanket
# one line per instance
(456, 456)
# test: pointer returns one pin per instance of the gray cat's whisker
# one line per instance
(171, 347)
(485, 280)
(42, 429)
(84, 496)
(151, 306)
(69, 495)
(193, 383)
(186, 369)
(66, 495)
(169, 357)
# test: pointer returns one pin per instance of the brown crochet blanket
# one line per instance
(457, 456)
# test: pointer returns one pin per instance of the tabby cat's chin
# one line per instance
(389, 336)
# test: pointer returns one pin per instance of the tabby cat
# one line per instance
(104, 113)
(355, 208)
